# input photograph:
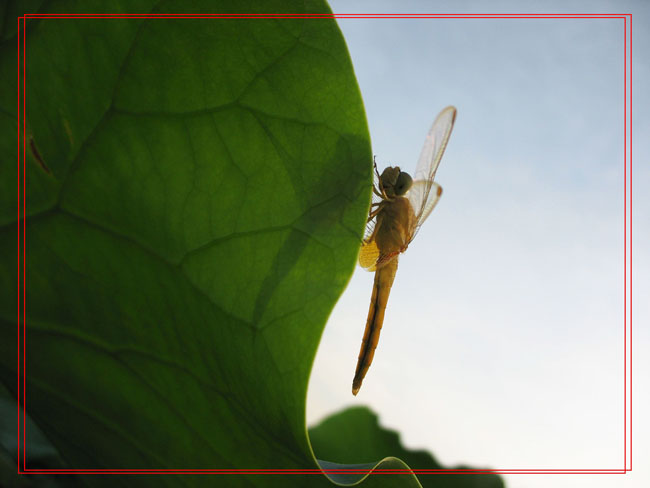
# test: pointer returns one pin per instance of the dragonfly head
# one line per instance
(404, 183)
(395, 182)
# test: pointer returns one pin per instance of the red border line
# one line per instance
(327, 470)
(625, 244)
(267, 15)
(320, 471)
(25, 470)
(24, 248)
(315, 470)
(631, 383)
(317, 16)
(18, 258)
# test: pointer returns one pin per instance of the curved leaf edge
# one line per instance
(355, 478)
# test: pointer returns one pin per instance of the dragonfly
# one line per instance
(404, 204)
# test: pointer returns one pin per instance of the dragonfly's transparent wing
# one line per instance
(369, 252)
(425, 193)
(370, 225)
(370, 230)
(419, 190)
(434, 144)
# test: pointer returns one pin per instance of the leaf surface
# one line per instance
(195, 194)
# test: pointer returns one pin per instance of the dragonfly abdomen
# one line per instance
(384, 278)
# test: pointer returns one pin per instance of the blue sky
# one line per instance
(502, 344)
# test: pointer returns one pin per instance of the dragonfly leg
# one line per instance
(373, 213)
(379, 189)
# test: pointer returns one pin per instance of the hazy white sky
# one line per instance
(502, 344)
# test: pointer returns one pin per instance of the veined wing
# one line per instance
(369, 252)
(434, 144)
(424, 193)
(371, 258)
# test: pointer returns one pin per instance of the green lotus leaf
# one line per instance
(195, 193)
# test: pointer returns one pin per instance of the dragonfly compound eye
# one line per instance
(403, 184)
(389, 179)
